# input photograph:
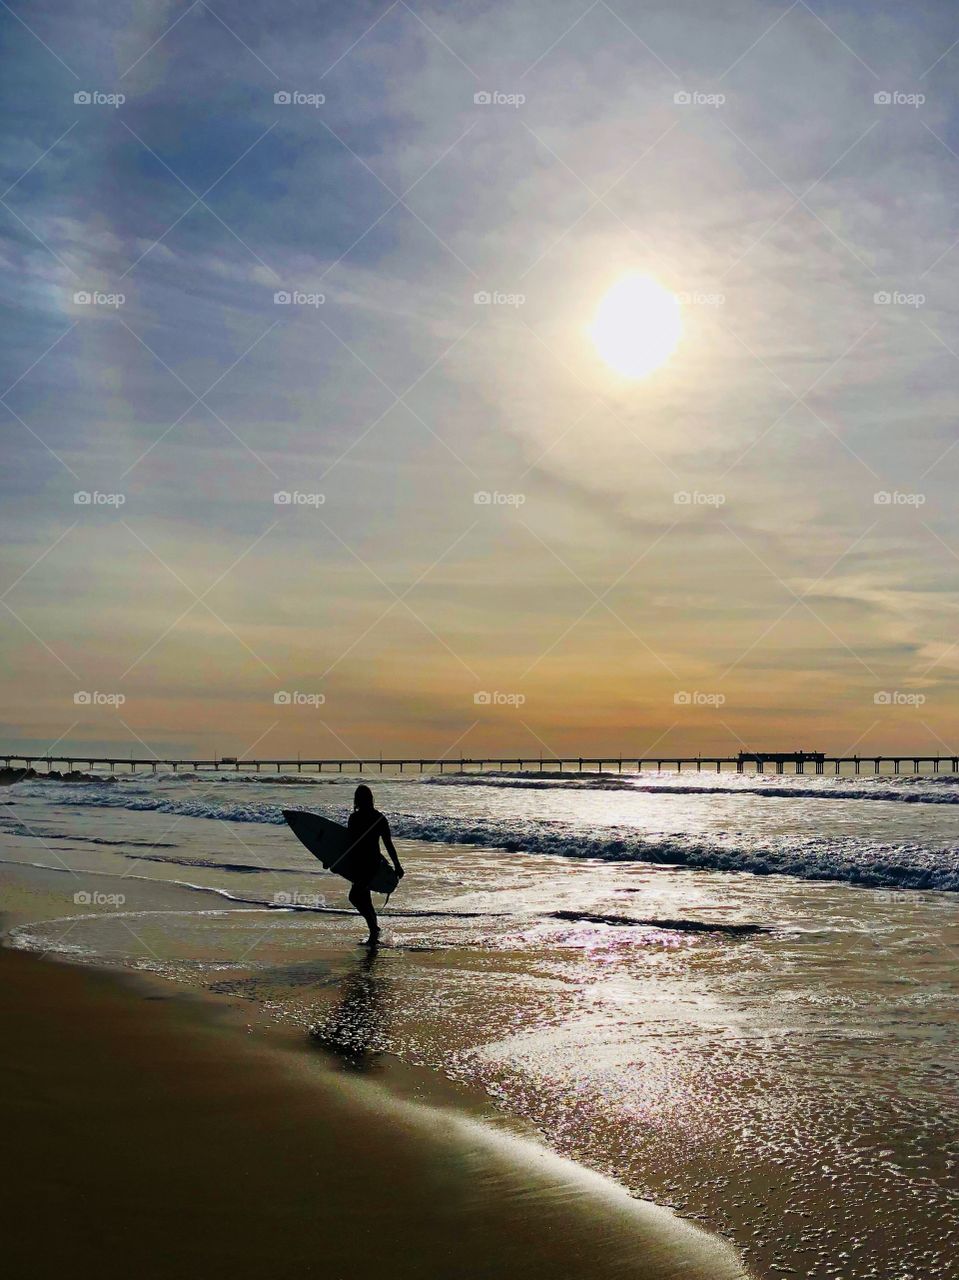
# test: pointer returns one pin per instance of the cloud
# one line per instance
(794, 397)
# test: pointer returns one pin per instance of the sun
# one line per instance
(637, 326)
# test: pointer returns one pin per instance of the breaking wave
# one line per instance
(901, 865)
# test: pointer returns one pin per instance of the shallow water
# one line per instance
(896, 832)
(795, 1088)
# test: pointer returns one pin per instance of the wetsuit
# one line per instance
(366, 827)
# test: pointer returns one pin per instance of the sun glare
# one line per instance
(637, 326)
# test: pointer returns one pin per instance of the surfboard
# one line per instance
(330, 843)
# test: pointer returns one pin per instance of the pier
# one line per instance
(745, 761)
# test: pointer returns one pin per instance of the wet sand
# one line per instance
(790, 1088)
(154, 1135)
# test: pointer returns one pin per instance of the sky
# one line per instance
(308, 448)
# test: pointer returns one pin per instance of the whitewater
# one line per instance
(735, 995)
(882, 833)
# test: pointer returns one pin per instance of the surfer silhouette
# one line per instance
(367, 827)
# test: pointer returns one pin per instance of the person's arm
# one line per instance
(391, 848)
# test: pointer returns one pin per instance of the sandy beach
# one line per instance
(161, 1135)
(479, 780)
(770, 1058)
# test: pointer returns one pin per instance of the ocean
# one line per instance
(786, 1075)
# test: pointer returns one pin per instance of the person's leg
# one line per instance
(361, 900)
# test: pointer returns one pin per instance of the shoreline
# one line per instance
(742, 1082)
(160, 1132)
(900, 851)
